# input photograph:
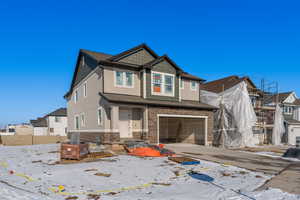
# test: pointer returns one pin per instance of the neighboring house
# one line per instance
(54, 123)
(290, 105)
(264, 126)
(136, 95)
(18, 129)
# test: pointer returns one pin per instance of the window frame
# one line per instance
(100, 117)
(191, 85)
(124, 82)
(163, 84)
(76, 96)
(85, 89)
(82, 120)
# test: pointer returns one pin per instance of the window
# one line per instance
(76, 96)
(181, 84)
(57, 119)
(99, 114)
(82, 120)
(51, 130)
(123, 79)
(194, 85)
(168, 84)
(84, 89)
(66, 130)
(77, 122)
(157, 80)
(288, 110)
(162, 84)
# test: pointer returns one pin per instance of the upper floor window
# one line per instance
(162, 84)
(288, 110)
(194, 85)
(124, 79)
(181, 84)
(84, 89)
(76, 96)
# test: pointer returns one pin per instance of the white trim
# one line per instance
(85, 89)
(124, 78)
(100, 123)
(162, 93)
(196, 86)
(76, 96)
(144, 83)
(184, 116)
(179, 80)
(97, 130)
(84, 121)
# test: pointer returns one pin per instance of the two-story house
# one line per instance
(54, 123)
(290, 105)
(136, 94)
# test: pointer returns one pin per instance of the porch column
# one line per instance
(114, 118)
(145, 121)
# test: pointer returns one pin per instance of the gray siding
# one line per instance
(139, 58)
(88, 105)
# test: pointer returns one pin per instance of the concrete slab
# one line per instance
(250, 161)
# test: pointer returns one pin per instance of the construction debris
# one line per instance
(292, 153)
(184, 160)
(91, 157)
(102, 174)
(143, 149)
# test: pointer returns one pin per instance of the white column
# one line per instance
(114, 118)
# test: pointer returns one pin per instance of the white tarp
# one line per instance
(236, 117)
(278, 129)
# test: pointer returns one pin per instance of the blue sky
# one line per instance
(39, 42)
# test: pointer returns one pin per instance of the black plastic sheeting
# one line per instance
(292, 153)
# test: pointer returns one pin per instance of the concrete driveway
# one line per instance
(286, 173)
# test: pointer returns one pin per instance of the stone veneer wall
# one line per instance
(154, 111)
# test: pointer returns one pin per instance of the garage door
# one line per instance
(182, 130)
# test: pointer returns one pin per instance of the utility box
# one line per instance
(73, 151)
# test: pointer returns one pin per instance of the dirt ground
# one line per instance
(287, 173)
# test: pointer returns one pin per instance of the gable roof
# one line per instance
(110, 60)
(61, 112)
(192, 77)
(39, 122)
(132, 51)
(222, 84)
(96, 55)
(283, 96)
(150, 64)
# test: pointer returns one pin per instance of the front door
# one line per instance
(125, 117)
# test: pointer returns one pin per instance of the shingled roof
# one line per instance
(39, 122)
(96, 55)
(222, 84)
(128, 99)
(61, 112)
(114, 61)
